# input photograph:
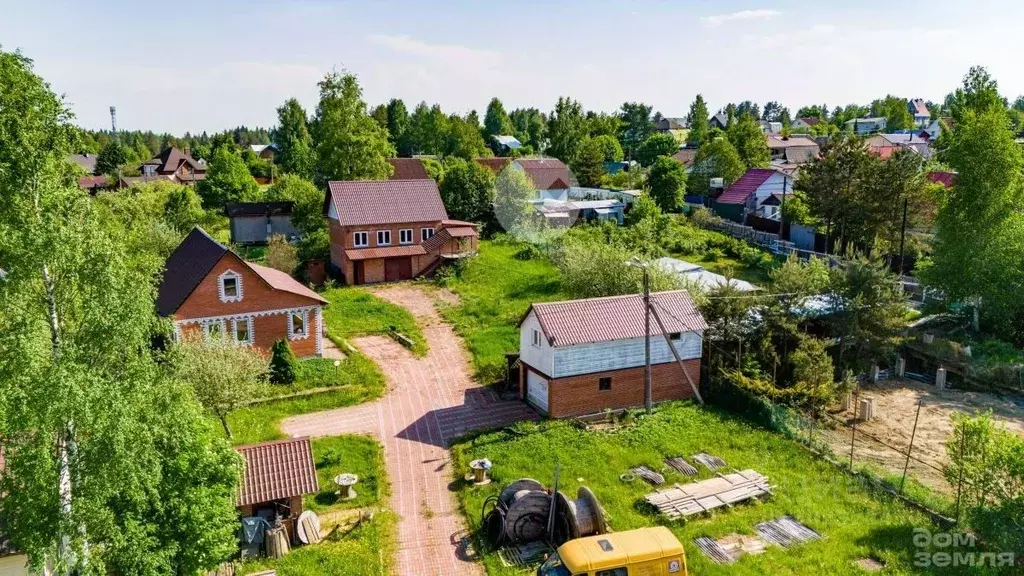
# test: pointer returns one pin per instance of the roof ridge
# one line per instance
(273, 442)
(613, 297)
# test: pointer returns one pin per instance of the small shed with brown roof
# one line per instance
(275, 477)
(546, 173)
(582, 357)
(408, 169)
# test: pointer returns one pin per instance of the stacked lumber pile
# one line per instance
(696, 497)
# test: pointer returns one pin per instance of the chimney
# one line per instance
(188, 151)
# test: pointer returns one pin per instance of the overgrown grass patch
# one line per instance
(358, 380)
(356, 312)
(494, 290)
(355, 454)
(368, 550)
(855, 520)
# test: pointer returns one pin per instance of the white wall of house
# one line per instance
(540, 357)
(620, 354)
(777, 183)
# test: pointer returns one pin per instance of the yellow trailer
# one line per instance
(643, 552)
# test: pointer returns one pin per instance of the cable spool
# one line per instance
(584, 515)
(526, 518)
(508, 493)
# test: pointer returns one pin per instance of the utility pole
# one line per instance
(648, 393)
(117, 139)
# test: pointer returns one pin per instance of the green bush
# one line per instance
(282, 363)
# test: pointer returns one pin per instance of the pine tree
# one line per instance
(282, 363)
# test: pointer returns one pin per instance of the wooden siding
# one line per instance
(541, 358)
(616, 354)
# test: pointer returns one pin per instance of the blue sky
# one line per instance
(217, 64)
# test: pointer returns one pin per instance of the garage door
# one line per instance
(537, 391)
(397, 269)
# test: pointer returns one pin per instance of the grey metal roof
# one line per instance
(703, 278)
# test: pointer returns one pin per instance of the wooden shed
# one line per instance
(275, 478)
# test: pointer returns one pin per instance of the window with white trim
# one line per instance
(298, 325)
(426, 233)
(213, 330)
(360, 239)
(383, 237)
(229, 286)
(243, 331)
(405, 236)
(536, 338)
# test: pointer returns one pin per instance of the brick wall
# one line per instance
(373, 269)
(204, 302)
(579, 395)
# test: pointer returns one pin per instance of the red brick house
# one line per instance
(389, 230)
(275, 476)
(207, 289)
(581, 357)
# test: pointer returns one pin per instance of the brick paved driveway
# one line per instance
(429, 401)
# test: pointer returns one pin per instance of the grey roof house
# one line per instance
(256, 222)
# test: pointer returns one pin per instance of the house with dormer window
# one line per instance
(210, 292)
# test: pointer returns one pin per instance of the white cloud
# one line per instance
(447, 54)
(760, 14)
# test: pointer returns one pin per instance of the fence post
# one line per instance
(911, 447)
(960, 482)
(853, 434)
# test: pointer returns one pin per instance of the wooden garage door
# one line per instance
(537, 391)
(397, 269)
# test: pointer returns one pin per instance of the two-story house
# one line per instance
(209, 291)
(864, 126)
(582, 357)
(389, 230)
(179, 166)
(760, 191)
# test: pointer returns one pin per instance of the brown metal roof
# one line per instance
(280, 281)
(385, 252)
(408, 169)
(275, 470)
(547, 173)
(615, 317)
(495, 165)
(170, 159)
(370, 202)
(686, 156)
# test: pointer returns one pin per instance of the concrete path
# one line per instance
(429, 401)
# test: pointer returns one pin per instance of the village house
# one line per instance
(770, 127)
(550, 176)
(805, 123)
(389, 230)
(408, 169)
(275, 477)
(760, 191)
(864, 126)
(686, 157)
(264, 151)
(209, 291)
(495, 164)
(255, 222)
(792, 150)
(720, 121)
(504, 144)
(582, 357)
(884, 145)
(173, 164)
(919, 110)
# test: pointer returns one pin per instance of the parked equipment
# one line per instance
(651, 551)
(520, 514)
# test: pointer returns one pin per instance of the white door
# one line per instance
(537, 391)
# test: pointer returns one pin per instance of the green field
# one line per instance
(359, 455)
(495, 289)
(856, 522)
(355, 312)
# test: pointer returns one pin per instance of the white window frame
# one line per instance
(384, 233)
(405, 236)
(426, 233)
(304, 315)
(208, 329)
(249, 326)
(226, 275)
(536, 338)
(365, 236)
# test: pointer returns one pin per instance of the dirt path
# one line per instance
(429, 401)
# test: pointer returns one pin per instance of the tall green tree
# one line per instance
(979, 241)
(308, 209)
(463, 138)
(895, 111)
(112, 158)
(467, 189)
(566, 129)
(979, 92)
(530, 126)
(836, 187)
(589, 164)
(602, 124)
(513, 192)
(716, 158)
(869, 312)
(749, 140)
(227, 180)
(496, 120)
(697, 120)
(428, 128)
(349, 144)
(398, 126)
(667, 183)
(610, 147)
(106, 456)
(655, 146)
(636, 126)
(294, 144)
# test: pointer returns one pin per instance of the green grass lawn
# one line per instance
(368, 550)
(359, 455)
(355, 312)
(356, 380)
(495, 289)
(854, 521)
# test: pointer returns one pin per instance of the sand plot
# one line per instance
(883, 441)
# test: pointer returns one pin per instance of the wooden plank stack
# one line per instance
(696, 497)
(681, 465)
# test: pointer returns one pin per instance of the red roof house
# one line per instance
(210, 291)
(408, 169)
(379, 229)
(947, 179)
(749, 193)
(582, 357)
(546, 173)
(276, 475)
